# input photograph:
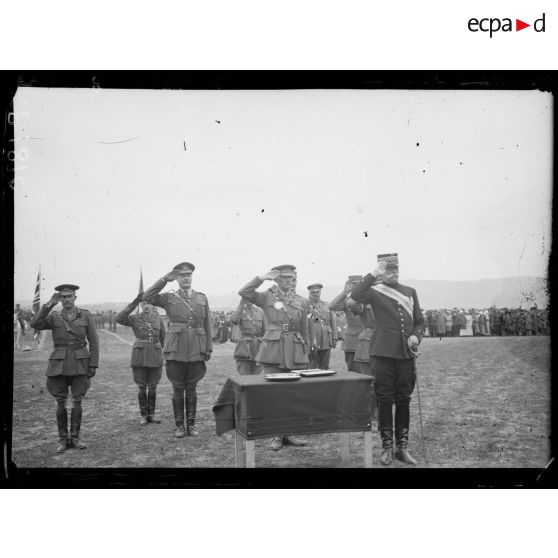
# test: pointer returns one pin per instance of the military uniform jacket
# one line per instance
(285, 343)
(397, 315)
(354, 323)
(324, 325)
(364, 341)
(70, 356)
(150, 336)
(188, 337)
(252, 326)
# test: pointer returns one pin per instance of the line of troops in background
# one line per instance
(443, 322)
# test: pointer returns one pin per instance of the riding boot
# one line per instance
(385, 426)
(191, 403)
(374, 404)
(62, 420)
(142, 400)
(75, 426)
(178, 410)
(402, 433)
(151, 399)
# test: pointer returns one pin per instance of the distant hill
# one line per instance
(510, 292)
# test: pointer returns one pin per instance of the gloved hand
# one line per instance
(92, 372)
(207, 356)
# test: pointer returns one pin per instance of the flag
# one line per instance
(37, 297)
(140, 288)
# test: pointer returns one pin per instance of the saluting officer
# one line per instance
(187, 344)
(285, 344)
(362, 362)
(398, 330)
(70, 364)
(324, 325)
(354, 323)
(147, 356)
(252, 324)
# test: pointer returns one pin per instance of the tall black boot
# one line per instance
(75, 426)
(374, 402)
(151, 400)
(142, 400)
(62, 420)
(385, 426)
(178, 410)
(191, 403)
(402, 415)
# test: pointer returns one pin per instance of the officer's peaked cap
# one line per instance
(390, 259)
(285, 269)
(66, 289)
(184, 267)
(315, 287)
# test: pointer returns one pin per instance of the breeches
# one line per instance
(350, 360)
(321, 359)
(395, 379)
(146, 377)
(184, 375)
(58, 386)
(248, 367)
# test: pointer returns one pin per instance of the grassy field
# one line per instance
(485, 403)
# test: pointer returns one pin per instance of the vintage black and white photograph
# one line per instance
(281, 277)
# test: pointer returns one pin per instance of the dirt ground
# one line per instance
(485, 403)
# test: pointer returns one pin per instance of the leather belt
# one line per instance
(189, 324)
(283, 327)
(70, 346)
(148, 340)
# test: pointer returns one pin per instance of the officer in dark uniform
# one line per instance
(354, 323)
(362, 359)
(285, 344)
(147, 356)
(188, 344)
(252, 325)
(324, 324)
(398, 330)
(70, 364)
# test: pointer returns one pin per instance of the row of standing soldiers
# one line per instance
(279, 331)
(105, 318)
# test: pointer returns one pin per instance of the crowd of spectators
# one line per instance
(493, 321)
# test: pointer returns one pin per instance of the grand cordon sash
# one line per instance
(406, 301)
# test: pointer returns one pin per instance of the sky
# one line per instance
(111, 181)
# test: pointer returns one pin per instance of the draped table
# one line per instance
(256, 408)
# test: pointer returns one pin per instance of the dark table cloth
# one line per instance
(258, 408)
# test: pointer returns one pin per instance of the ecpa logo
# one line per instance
(492, 25)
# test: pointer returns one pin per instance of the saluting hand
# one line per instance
(54, 300)
(348, 287)
(171, 276)
(271, 275)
